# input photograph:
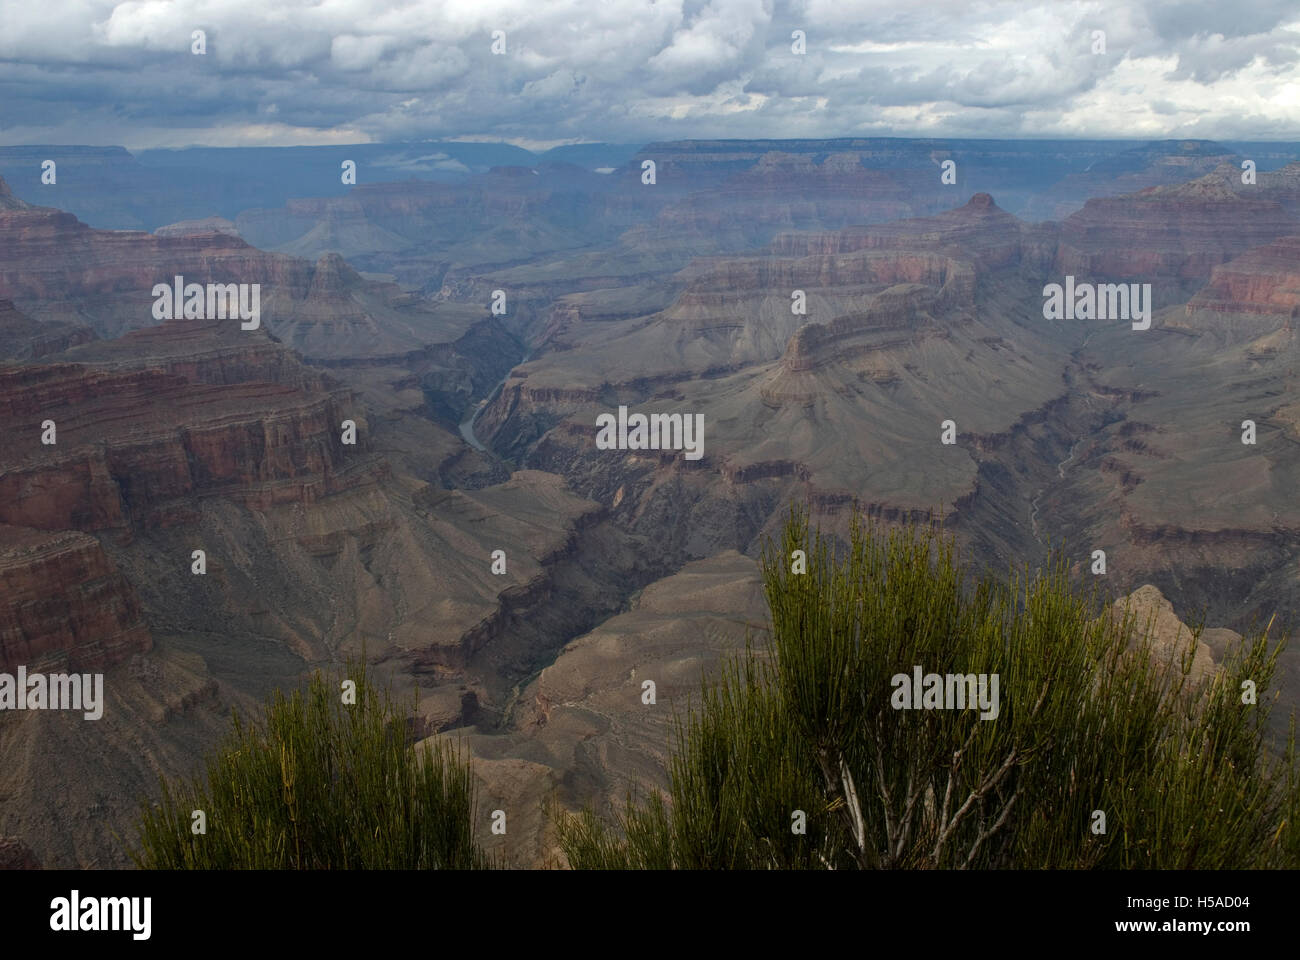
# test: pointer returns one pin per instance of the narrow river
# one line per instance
(467, 425)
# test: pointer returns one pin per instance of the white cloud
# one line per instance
(635, 70)
(350, 52)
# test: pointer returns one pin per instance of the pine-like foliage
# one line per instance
(318, 784)
(1090, 720)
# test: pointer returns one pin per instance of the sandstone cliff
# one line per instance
(65, 606)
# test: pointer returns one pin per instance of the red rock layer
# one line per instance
(139, 445)
(1265, 280)
(202, 351)
(980, 232)
(903, 313)
(63, 604)
(46, 254)
(1184, 231)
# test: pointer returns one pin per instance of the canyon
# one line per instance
(476, 431)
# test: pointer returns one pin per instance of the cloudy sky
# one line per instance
(282, 72)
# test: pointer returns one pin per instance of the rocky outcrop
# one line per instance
(1168, 638)
(978, 233)
(900, 317)
(64, 605)
(1264, 280)
(8, 201)
(1178, 232)
(188, 228)
(781, 191)
(59, 268)
(202, 351)
(22, 338)
(138, 446)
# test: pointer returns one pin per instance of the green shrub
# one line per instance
(318, 784)
(1090, 720)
